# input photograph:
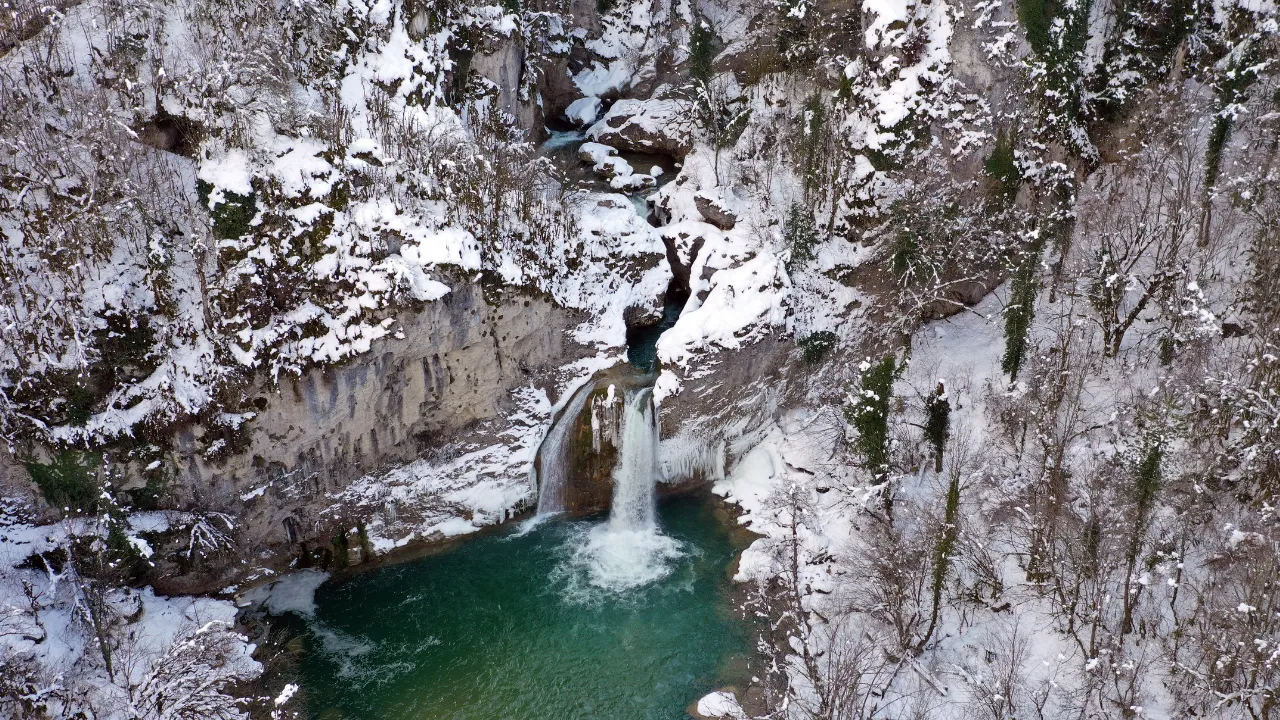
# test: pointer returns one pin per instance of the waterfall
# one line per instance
(637, 469)
(629, 550)
(553, 474)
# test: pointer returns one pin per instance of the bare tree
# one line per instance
(1000, 692)
(189, 679)
(1232, 656)
(1139, 219)
(856, 673)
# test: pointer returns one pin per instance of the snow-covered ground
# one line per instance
(71, 645)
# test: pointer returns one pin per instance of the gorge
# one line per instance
(729, 359)
(566, 616)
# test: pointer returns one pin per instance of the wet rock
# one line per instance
(593, 451)
(592, 448)
(682, 252)
(556, 86)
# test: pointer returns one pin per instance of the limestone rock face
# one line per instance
(456, 365)
(662, 127)
(593, 451)
(502, 65)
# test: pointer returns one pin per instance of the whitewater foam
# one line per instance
(601, 563)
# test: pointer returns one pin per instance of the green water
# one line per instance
(511, 627)
(642, 342)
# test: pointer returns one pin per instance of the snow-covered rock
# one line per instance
(647, 126)
(635, 181)
(595, 153)
(722, 704)
(605, 161)
(715, 212)
(583, 111)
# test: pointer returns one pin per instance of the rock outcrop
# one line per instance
(664, 127)
(714, 212)
(310, 436)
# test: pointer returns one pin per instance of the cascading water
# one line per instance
(629, 550)
(553, 474)
(637, 470)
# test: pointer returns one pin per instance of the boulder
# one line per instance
(632, 181)
(605, 161)
(664, 127)
(714, 212)
(961, 295)
(642, 315)
(583, 111)
(595, 153)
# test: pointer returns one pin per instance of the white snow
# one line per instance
(601, 80)
(583, 111)
(721, 704)
(741, 302)
(182, 647)
(295, 593)
(230, 172)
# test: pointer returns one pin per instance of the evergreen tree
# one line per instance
(1146, 486)
(945, 548)
(701, 51)
(937, 424)
(1002, 170)
(869, 416)
(801, 234)
(1020, 312)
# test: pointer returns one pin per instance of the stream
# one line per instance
(529, 626)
